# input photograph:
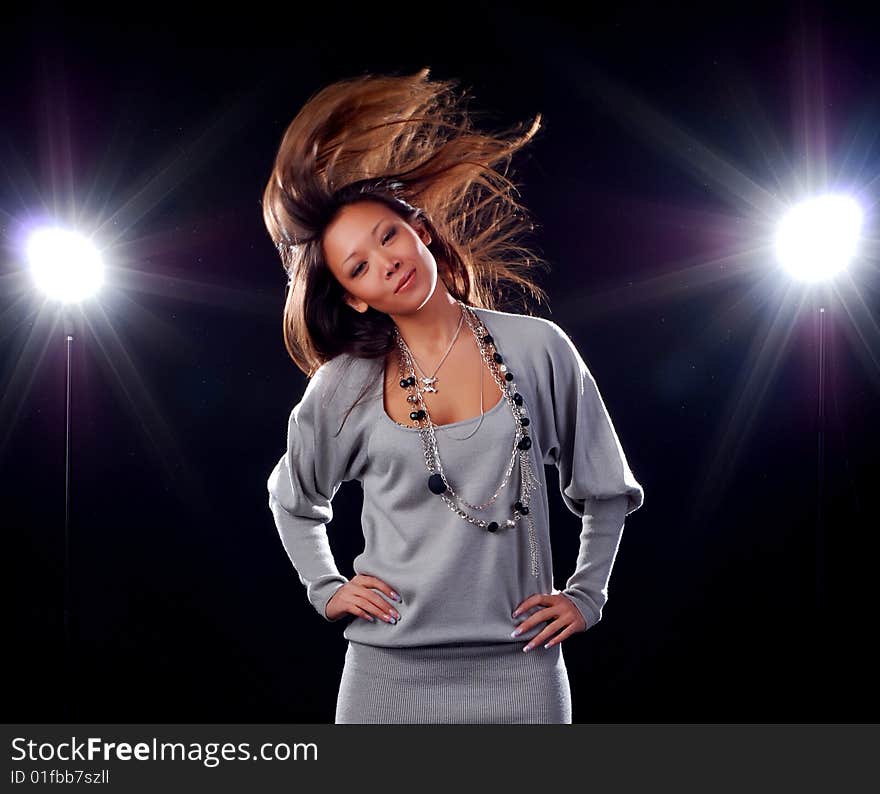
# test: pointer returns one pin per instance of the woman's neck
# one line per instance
(430, 330)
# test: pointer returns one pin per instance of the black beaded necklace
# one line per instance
(438, 484)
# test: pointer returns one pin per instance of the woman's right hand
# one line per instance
(356, 598)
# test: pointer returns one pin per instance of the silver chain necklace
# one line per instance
(438, 484)
(430, 382)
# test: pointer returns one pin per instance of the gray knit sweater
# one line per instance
(458, 583)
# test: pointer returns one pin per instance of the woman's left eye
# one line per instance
(388, 235)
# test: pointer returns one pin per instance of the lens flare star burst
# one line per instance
(798, 230)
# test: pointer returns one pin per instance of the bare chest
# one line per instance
(459, 382)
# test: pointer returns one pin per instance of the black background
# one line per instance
(161, 123)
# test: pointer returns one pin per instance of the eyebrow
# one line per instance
(372, 233)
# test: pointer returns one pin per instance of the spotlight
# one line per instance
(818, 238)
(65, 265)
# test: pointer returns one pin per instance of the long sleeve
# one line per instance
(305, 480)
(594, 477)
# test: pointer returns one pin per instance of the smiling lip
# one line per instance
(405, 281)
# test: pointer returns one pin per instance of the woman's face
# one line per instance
(370, 249)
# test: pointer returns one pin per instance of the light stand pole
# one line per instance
(66, 266)
(68, 645)
(820, 474)
(815, 241)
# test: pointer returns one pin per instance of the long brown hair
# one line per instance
(408, 142)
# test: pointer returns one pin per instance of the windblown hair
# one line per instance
(408, 142)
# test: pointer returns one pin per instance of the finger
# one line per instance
(530, 622)
(533, 600)
(524, 606)
(361, 613)
(385, 608)
(375, 605)
(541, 616)
(567, 632)
(544, 635)
(376, 582)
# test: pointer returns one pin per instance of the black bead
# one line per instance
(421, 413)
(524, 421)
(404, 383)
(436, 484)
(488, 339)
(517, 398)
(526, 443)
(492, 526)
(524, 510)
(497, 356)
(518, 506)
(508, 376)
(413, 415)
(412, 380)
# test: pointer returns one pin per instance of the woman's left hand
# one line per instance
(565, 619)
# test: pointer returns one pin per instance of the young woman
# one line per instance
(396, 230)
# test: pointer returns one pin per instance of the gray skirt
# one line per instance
(468, 683)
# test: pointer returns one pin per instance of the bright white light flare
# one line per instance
(817, 239)
(65, 265)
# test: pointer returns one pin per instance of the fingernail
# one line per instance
(395, 596)
(371, 618)
(515, 613)
(527, 648)
(515, 632)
